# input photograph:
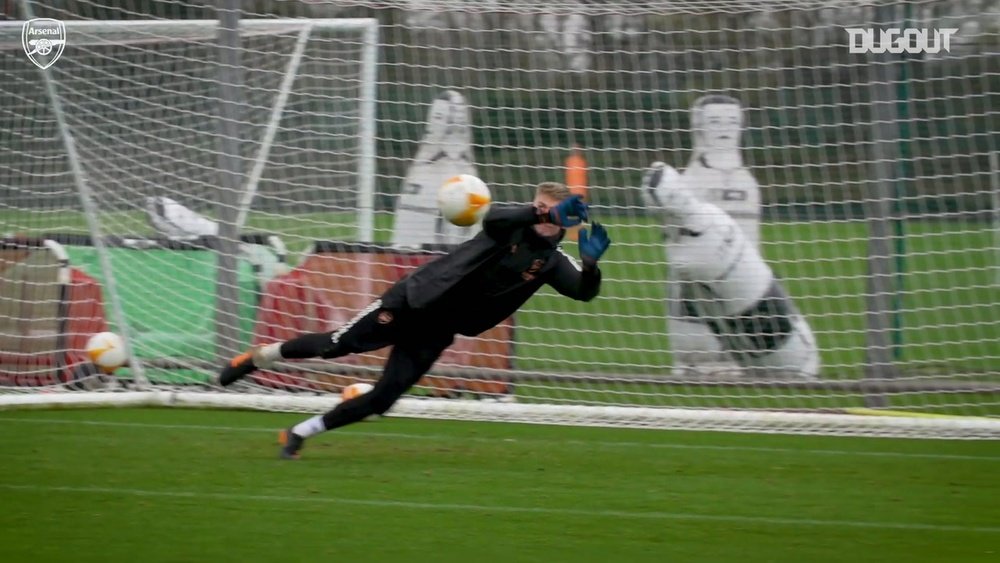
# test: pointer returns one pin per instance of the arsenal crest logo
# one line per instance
(43, 40)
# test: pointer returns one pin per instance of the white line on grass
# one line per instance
(452, 438)
(752, 520)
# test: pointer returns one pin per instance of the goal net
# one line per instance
(803, 197)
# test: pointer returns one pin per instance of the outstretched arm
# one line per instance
(572, 280)
(502, 220)
(582, 282)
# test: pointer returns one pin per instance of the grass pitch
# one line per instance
(175, 485)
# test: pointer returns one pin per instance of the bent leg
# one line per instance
(407, 363)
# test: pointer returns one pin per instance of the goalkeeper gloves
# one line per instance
(593, 245)
(568, 213)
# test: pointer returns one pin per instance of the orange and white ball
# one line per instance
(106, 350)
(464, 200)
(355, 390)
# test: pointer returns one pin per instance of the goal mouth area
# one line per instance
(871, 204)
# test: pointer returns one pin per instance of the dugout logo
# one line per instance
(895, 40)
(43, 40)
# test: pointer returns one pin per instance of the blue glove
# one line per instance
(593, 244)
(569, 212)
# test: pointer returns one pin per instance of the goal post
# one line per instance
(763, 180)
(338, 92)
(131, 116)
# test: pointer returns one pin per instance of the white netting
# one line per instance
(141, 101)
(838, 251)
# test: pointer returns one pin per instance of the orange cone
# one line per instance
(576, 181)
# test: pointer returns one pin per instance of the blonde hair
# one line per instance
(555, 190)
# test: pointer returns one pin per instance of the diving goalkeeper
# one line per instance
(471, 289)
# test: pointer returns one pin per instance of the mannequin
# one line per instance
(444, 151)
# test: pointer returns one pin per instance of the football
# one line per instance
(355, 390)
(106, 350)
(464, 200)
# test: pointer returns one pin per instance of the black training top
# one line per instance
(485, 279)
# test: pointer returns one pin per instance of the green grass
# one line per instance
(176, 486)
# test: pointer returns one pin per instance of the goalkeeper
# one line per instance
(472, 289)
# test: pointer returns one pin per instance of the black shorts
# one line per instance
(376, 327)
